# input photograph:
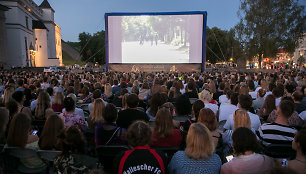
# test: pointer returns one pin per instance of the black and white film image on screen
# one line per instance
(155, 39)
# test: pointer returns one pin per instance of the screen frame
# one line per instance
(204, 13)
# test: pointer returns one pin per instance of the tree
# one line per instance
(301, 61)
(221, 45)
(267, 25)
(84, 39)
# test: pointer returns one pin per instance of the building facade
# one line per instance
(300, 51)
(33, 39)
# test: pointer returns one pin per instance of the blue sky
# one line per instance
(76, 16)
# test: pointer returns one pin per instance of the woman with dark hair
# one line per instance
(20, 135)
(18, 96)
(108, 133)
(199, 156)
(52, 128)
(70, 117)
(191, 90)
(146, 159)
(164, 134)
(182, 106)
(72, 143)
(267, 108)
(156, 101)
(246, 160)
(196, 107)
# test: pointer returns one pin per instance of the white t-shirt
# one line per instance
(77, 111)
(225, 110)
(223, 99)
(277, 101)
(253, 94)
(268, 93)
(213, 107)
(255, 122)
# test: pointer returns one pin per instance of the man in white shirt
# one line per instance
(245, 102)
(228, 108)
(251, 89)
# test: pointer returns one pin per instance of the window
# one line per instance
(27, 22)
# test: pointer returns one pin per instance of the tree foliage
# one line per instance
(221, 45)
(92, 47)
(267, 25)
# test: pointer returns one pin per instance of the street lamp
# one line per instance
(32, 54)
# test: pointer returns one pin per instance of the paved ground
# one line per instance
(133, 52)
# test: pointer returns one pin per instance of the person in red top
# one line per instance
(141, 159)
(164, 134)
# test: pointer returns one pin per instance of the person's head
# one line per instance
(108, 90)
(4, 117)
(8, 92)
(285, 108)
(297, 96)
(234, 98)
(156, 101)
(299, 142)
(72, 140)
(278, 92)
(168, 105)
(244, 140)
(269, 104)
(52, 128)
(241, 119)
(20, 83)
(12, 107)
(182, 105)
(18, 96)
(208, 118)
(135, 90)
(205, 96)
(58, 98)
(245, 101)
(124, 98)
(50, 91)
(110, 113)
(97, 111)
(163, 123)
(244, 90)
(85, 91)
(132, 101)
(139, 134)
(261, 93)
(196, 107)
(43, 103)
(73, 96)
(96, 94)
(251, 85)
(199, 143)
(69, 104)
(19, 130)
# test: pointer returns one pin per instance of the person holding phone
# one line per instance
(246, 160)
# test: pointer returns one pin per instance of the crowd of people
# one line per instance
(225, 122)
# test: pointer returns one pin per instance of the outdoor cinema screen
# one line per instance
(155, 38)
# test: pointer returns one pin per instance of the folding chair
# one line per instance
(13, 164)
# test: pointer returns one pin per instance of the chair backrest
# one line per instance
(107, 155)
(168, 151)
(140, 109)
(110, 151)
(20, 152)
(85, 107)
(48, 155)
(182, 118)
(280, 151)
(192, 100)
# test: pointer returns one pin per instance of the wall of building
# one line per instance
(3, 43)
(58, 41)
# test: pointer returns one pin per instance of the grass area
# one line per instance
(68, 61)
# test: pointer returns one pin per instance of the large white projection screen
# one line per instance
(155, 39)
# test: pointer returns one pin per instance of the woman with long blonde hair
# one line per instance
(58, 102)
(108, 90)
(7, 96)
(43, 107)
(96, 115)
(164, 133)
(199, 156)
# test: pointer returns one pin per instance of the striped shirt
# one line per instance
(273, 133)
